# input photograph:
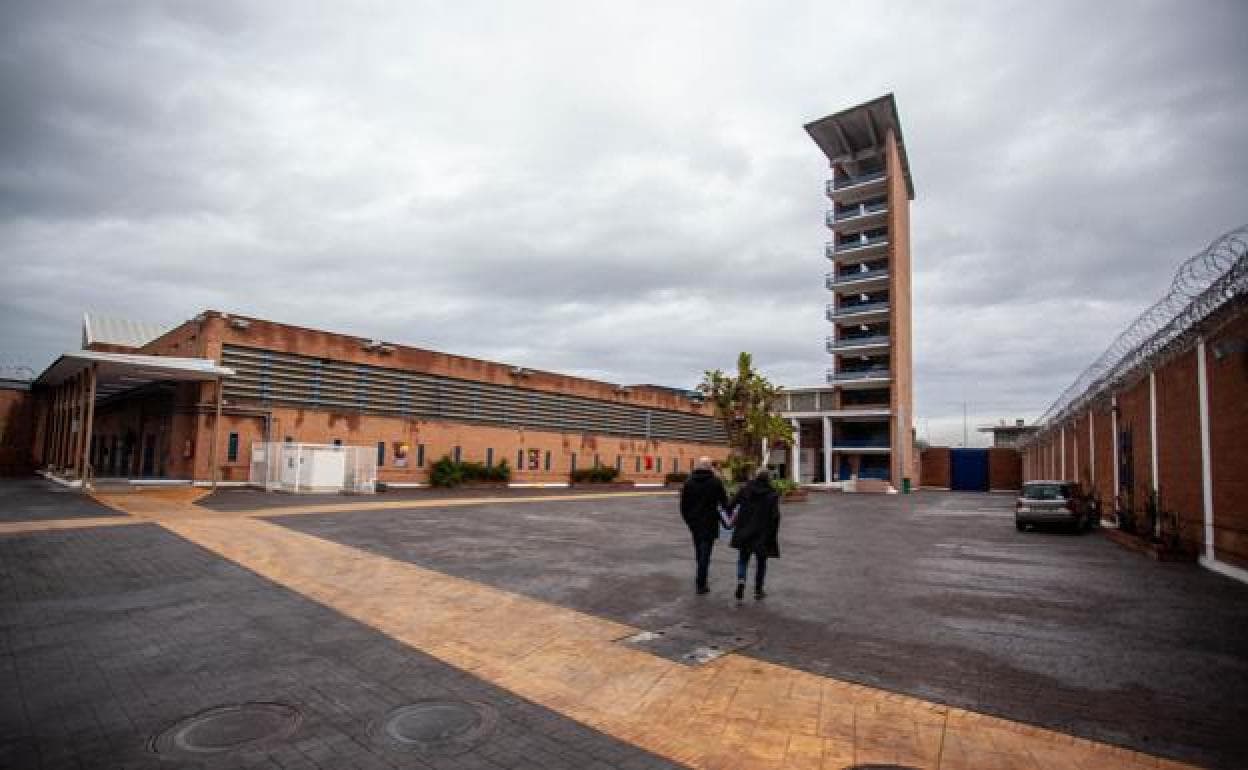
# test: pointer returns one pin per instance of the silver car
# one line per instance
(1053, 502)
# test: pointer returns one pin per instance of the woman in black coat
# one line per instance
(755, 529)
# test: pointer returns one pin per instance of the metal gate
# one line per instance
(968, 470)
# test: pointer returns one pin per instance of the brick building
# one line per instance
(190, 403)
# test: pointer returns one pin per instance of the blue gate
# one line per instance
(968, 469)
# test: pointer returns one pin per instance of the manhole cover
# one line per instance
(685, 643)
(443, 727)
(228, 728)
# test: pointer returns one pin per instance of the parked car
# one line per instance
(1054, 502)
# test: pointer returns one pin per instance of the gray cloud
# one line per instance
(619, 192)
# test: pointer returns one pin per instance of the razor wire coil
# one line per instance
(1203, 284)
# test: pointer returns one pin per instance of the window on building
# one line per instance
(638, 464)
(596, 463)
(381, 453)
(420, 455)
(675, 465)
(489, 457)
(337, 442)
(619, 463)
(547, 459)
(231, 453)
(519, 459)
(658, 465)
(457, 454)
(290, 439)
(574, 461)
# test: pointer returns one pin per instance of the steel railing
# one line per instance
(845, 311)
(834, 344)
(846, 182)
(838, 279)
(857, 374)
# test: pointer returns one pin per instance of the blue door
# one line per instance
(968, 469)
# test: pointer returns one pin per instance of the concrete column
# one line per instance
(1113, 443)
(216, 428)
(1092, 446)
(1062, 452)
(1074, 443)
(1206, 454)
(51, 441)
(1152, 426)
(827, 450)
(796, 452)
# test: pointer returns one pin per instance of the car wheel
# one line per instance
(1020, 526)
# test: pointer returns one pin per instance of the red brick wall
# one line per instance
(1178, 445)
(1133, 415)
(1102, 419)
(17, 428)
(1228, 438)
(440, 439)
(934, 467)
(1179, 450)
(1005, 468)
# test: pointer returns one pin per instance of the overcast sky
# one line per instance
(618, 190)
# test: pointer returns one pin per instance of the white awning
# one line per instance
(119, 372)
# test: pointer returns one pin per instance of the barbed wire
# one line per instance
(1202, 285)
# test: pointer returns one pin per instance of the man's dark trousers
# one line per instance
(702, 552)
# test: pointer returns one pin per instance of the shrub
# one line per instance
(676, 478)
(784, 486)
(602, 474)
(448, 473)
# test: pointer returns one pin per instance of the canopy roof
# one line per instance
(118, 372)
(850, 133)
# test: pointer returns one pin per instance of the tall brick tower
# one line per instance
(870, 342)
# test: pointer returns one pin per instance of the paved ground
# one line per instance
(112, 633)
(935, 595)
(39, 500)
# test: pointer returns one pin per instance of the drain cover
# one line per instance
(444, 727)
(227, 728)
(692, 646)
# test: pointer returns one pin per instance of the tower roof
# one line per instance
(847, 134)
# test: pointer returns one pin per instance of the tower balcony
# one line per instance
(859, 248)
(877, 343)
(862, 312)
(847, 189)
(857, 216)
(861, 280)
(870, 377)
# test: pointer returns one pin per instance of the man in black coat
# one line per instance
(701, 498)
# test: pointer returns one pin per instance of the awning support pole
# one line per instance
(216, 427)
(87, 425)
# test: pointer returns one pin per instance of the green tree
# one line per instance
(743, 404)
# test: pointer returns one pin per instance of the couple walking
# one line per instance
(753, 514)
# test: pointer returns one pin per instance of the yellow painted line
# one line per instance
(52, 525)
(152, 506)
(735, 712)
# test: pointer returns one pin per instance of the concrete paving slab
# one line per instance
(935, 595)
